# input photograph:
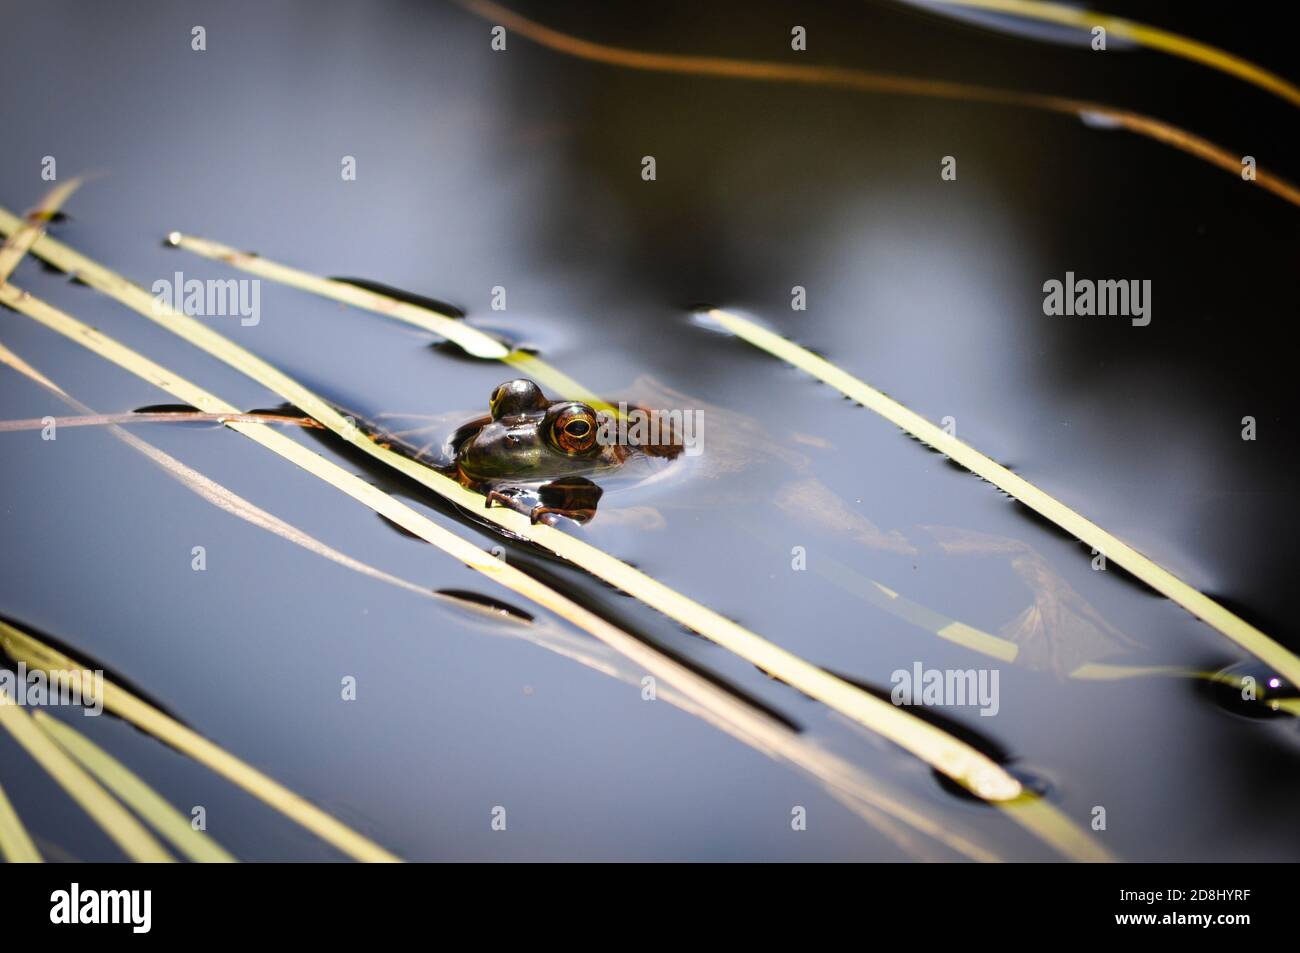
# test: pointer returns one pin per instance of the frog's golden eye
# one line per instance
(574, 429)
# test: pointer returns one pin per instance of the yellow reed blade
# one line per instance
(473, 341)
(950, 756)
(21, 240)
(962, 763)
(16, 845)
(134, 793)
(682, 687)
(1151, 37)
(125, 831)
(841, 77)
(946, 754)
(25, 648)
(1163, 581)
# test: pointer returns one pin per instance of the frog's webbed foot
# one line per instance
(561, 498)
(546, 514)
(572, 497)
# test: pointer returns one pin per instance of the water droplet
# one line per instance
(1096, 120)
(1253, 690)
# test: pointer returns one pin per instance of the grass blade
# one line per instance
(472, 340)
(16, 846)
(1160, 579)
(1151, 37)
(945, 753)
(37, 655)
(178, 417)
(136, 842)
(134, 793)
(839, 77)
(21, 239)
(698, 696)
(530, 365)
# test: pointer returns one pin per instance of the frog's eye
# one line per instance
(516, 397)
(574, 429)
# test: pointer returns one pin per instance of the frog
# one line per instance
(544, 457)
(537, 455)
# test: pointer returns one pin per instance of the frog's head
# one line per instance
(531, 439)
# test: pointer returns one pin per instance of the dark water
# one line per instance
(522, 170)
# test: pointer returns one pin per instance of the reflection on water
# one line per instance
(522, 171)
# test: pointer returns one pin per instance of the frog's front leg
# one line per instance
(513, 498)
